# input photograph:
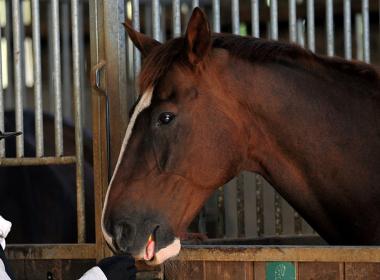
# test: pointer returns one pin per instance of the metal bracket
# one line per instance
(4, 135)
(96, 80)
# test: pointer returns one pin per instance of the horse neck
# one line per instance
(288, 111)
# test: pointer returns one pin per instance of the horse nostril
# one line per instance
(124, 234)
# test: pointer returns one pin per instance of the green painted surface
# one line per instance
(280, 271)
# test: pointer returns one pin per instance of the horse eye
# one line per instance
(165, 118)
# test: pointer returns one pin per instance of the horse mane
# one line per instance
(254, 50)
(261, 50)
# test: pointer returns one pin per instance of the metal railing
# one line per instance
(14, 97)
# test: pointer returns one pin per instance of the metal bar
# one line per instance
(330, 27)
(230, 209)
(156, 19)
(250, 217)
(273, 20)
(136, 26)
(359, 36)
(56, 79)
(259, 205)
(347, 29)
(255, 18)
(310, 25)
(292, 21)
(9, 97)
(78, 123)
(366, 36)
(300, 32)
(235, 17)
(216, 16)
(195, 3)
(176, 18)
(2, 128)
(37, 78)
(49, 105)
(18, 74)
(53, 251)
(37, 161)
(278, 213)
(163, 22)
(86, 98)
(66, 58)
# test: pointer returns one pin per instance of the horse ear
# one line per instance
(198, 36)
(144, 43)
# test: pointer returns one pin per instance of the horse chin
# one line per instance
(166, 253)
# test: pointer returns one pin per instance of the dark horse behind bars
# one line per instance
(215, 105)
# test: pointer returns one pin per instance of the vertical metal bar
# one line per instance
(255, 18)
(359, 36)
(216, 15)
(330, 27)
(50, 101)
(259, 205)
(66, 58)
(366, 37)
(2, 145)
(250, 206)
(9, 97)
(230, 209)
(78, 123)
(195, 3)
(292, 21)
(148, 18)
(37, 78)
(136, 26)
(235, 17)
(162, 22)
(156, 19)
(56, 80)
(347, 29)
(301, 32)
(310, 25)
(18, 72)
(176, 18)
(273, 20)
(86, 99)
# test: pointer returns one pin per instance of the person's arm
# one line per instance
(112, 268)
(94, 273)
(5, 270)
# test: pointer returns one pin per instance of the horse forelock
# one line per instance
(159, 61)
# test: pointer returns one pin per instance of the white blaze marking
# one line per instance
(144, 103)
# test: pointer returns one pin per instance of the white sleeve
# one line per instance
(3, 274)
(94, 273)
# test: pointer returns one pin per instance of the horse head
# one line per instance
(178, 146)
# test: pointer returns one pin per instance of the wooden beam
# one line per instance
(279, 253)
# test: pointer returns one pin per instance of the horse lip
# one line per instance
(152, 238)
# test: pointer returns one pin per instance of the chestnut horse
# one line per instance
(212, 106)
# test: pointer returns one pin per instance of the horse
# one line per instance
(40, 201)
(213, 105)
